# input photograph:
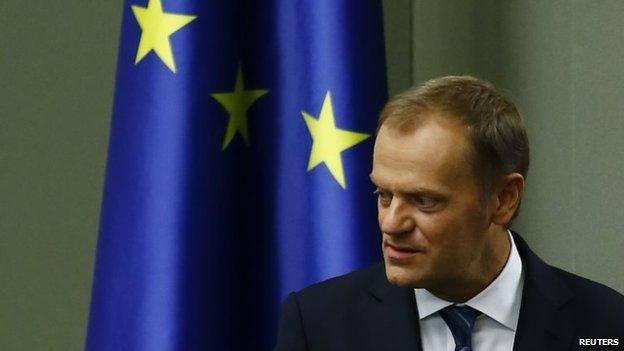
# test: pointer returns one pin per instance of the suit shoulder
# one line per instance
(589, 289)
(599, 306)
(341, 288)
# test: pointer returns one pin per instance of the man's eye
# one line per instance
(424, 202)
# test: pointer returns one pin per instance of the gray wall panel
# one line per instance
(57, 68)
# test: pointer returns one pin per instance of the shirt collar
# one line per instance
(500, 300)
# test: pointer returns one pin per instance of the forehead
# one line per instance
(433, 154)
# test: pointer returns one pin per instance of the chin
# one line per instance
(402, 276)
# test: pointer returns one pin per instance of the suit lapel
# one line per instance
(394, 314)
(545, 323)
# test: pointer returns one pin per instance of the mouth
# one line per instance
(400, 253)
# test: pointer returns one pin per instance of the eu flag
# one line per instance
(240, 148)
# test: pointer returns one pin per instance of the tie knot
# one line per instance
(460, 320)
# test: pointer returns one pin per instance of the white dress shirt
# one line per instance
(499, 302)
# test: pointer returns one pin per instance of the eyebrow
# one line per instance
(416, 190)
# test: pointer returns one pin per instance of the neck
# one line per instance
(481, 273)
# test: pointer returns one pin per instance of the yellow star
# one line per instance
(328, 141)
(156, 27)
(236, 103)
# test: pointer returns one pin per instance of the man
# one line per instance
(450, 163)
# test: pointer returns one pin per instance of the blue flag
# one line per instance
(240, 147)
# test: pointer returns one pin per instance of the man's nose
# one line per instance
(396, 219)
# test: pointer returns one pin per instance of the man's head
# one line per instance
(450, 160)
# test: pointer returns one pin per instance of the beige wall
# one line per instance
(57, 65)
(561, 61)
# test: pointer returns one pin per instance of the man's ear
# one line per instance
(508, 195)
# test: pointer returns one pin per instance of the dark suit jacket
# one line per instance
(362, 311)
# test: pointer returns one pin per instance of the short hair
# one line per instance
(496, 130)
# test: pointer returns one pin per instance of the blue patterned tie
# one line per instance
(460, 319)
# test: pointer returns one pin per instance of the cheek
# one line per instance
(443, 236)
(434, 227)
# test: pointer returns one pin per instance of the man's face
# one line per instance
(431, 213)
